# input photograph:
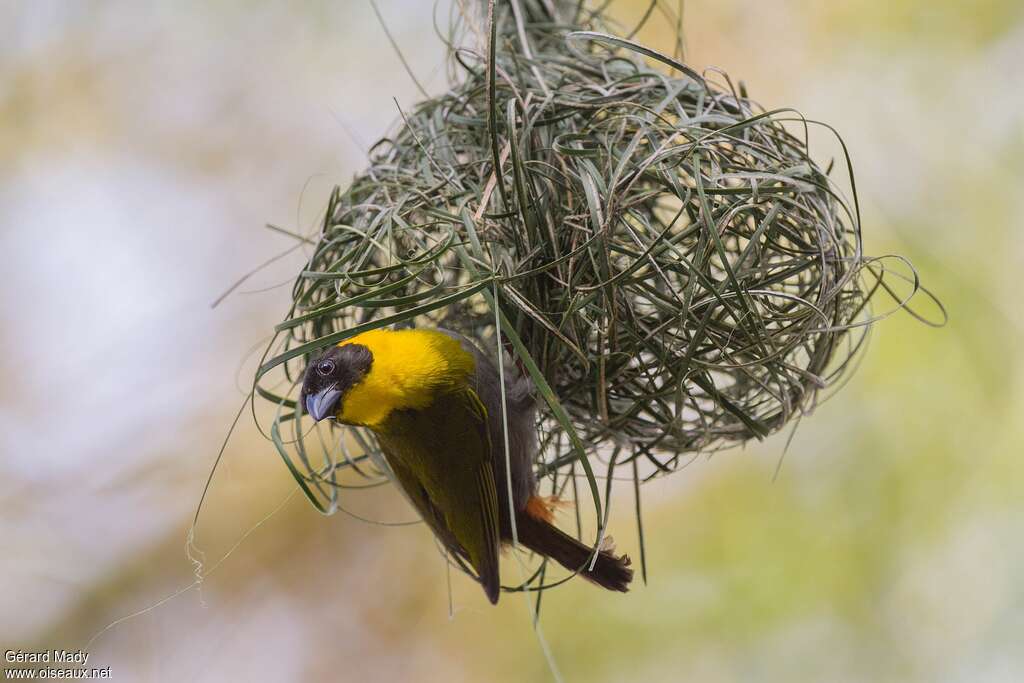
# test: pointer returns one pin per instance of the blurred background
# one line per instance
(143, 147)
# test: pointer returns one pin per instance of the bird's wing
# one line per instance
(470, 497)
(443, 461)
(519, 418)
(420, 499)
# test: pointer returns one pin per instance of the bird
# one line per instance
(433, 401)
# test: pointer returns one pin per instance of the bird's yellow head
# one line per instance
(363, 379)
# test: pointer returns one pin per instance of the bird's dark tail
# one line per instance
(536, 532)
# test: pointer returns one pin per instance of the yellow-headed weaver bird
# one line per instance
(433, 400)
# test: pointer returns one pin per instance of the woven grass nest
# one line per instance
(661, 254)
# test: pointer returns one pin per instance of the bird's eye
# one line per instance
(325, 367)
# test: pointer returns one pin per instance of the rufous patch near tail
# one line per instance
(543, 507)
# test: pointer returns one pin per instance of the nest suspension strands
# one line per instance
(663, 255)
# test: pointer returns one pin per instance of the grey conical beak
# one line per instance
(323, 404)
